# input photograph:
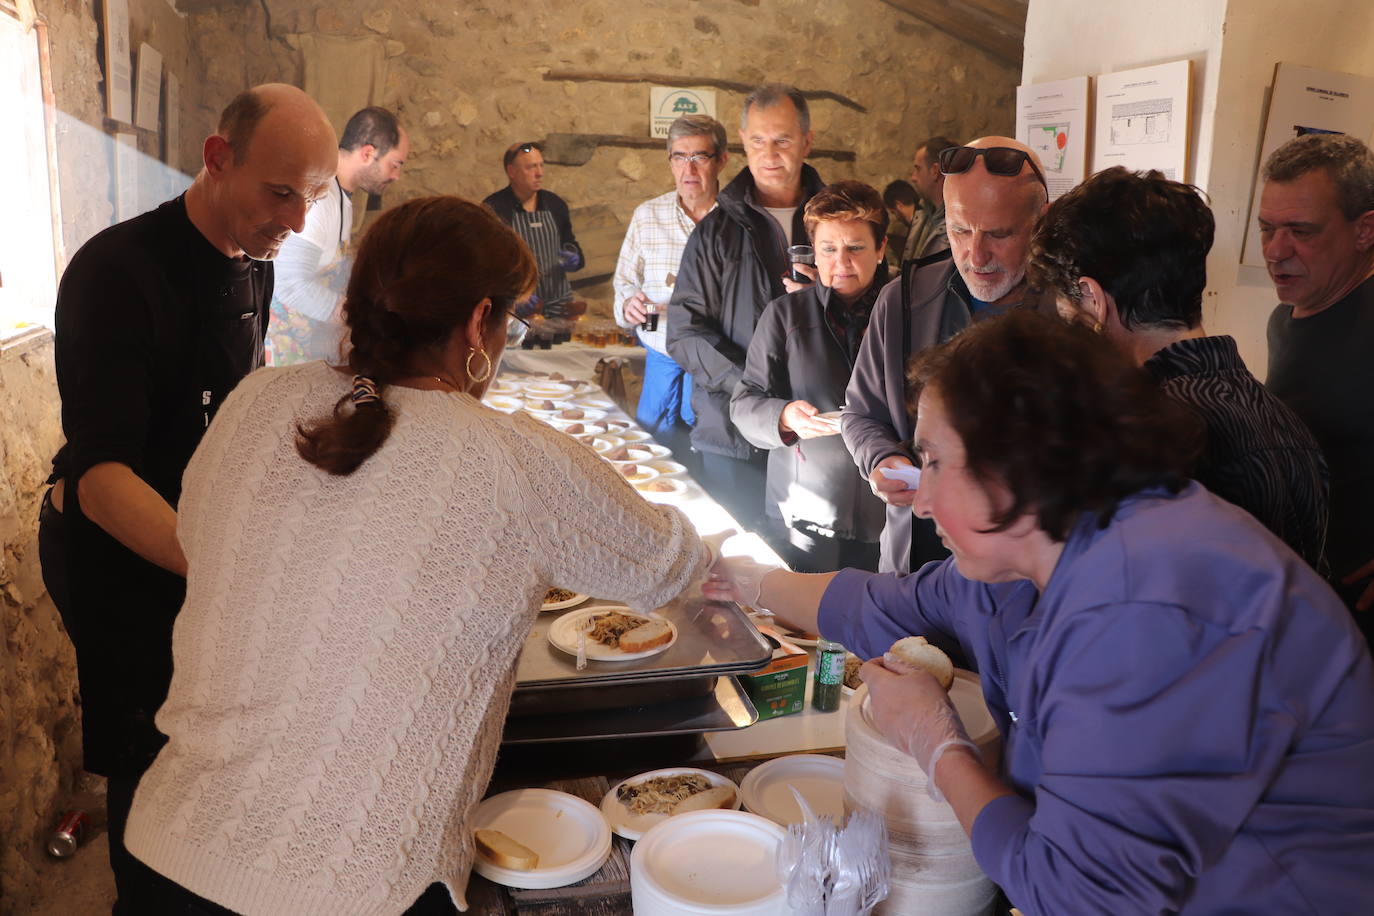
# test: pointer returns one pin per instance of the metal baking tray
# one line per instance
(713, 638)
(727, 707)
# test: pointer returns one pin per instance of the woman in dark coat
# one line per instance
(798, 366)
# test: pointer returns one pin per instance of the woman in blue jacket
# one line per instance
(1187, 709)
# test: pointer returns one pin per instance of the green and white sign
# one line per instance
(667, 105)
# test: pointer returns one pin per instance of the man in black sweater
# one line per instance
(157, 319)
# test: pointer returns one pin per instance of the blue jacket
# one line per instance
(1187, 711)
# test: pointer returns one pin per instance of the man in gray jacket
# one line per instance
(994, 193)
(732, 267)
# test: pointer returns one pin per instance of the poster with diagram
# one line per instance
(1142, 119)
(1052, 119)
(1308, 101)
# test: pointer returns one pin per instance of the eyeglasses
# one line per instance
(694, 159)
(999, 160)
(516, 327)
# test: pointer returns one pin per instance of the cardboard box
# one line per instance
(778, 688)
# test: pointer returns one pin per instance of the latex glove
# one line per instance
(915, 713)
(890, 490)
(713, 544)
(568, 256)
(737, 579)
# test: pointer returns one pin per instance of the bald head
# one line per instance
(990, 218)
(272, 156)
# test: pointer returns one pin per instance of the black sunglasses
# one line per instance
(999, 160)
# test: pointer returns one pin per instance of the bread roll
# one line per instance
(501, 850)
(907, 655)
(646, 636)
(719, 797)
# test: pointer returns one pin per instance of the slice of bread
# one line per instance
(719, 797)
(646, 636)
(914, 652)
(501, 850)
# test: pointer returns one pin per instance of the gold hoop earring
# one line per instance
(486, 370)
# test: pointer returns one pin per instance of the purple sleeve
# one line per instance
(868, 612)
(1157, 734)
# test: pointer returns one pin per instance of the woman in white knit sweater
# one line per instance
(368, 548)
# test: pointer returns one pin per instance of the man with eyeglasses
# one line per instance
(994, 191)
(649, 261)
(540, 218)
(733, 266)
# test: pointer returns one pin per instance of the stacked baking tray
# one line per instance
(686, 689)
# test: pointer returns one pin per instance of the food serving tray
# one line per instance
(713, 638)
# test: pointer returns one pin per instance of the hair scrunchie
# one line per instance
(364, 391)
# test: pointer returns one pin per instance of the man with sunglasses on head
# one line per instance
(994, 191)
(540, 218)
(733, 266)
(648, 266)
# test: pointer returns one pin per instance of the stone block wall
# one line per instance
(471, 78)
(40, 733)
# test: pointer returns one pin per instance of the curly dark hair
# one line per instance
(1143, 237)
(1067, 425)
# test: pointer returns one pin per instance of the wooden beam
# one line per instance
(966, 22)
(578, 149)
(670, 79)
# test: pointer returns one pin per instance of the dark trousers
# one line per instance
(739, 485)
(171, 899)
(806, 550)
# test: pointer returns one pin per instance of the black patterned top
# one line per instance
(1259, 455)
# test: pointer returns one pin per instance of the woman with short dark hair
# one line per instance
(368, 548)
(1187, 710)
(798, 366)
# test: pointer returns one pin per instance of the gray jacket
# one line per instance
(875, 423)
(796, 355)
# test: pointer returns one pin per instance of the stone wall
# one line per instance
(471, 78)
(40, 740)
(40, 734)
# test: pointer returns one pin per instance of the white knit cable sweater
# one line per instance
(345, 656)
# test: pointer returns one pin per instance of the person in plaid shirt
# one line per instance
(647, 269)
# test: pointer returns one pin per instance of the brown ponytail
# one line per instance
(421, 270)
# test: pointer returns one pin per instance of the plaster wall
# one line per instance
(1234, 45)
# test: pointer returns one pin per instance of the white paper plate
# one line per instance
(502, 402)
(604, 444)
(678, 490)
(571, 837)
(589, 415)
(595, 400)
(966, 693)
(767, 789)
(631, 826)
(564, 631)
(575, 600)
(535, 406)
(505, 385)
(708, 862)
(667, 468)
(553, 391)
(634, 435)
(591, 430)
(643, 473)
(635, 454)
